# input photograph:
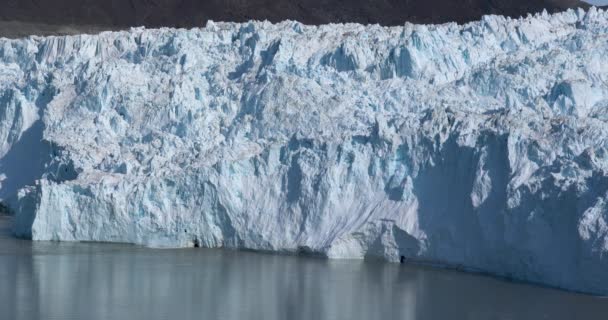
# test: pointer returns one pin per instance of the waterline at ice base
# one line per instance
(480, 146)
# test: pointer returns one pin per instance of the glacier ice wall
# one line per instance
(481, 146)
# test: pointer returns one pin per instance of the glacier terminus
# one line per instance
(481, 146)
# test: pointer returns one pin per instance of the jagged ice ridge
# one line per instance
(481, 146)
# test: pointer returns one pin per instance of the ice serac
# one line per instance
(481, 146)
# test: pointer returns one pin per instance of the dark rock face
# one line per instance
(113, 14)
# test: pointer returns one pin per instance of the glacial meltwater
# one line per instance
(51, 280)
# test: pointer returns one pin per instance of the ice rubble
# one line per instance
(481, 146)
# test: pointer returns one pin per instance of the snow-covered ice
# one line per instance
(482, 146)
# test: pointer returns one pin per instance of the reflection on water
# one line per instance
(107, 281)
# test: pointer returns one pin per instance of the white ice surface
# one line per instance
(482, 146)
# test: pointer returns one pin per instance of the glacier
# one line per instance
(481, 146)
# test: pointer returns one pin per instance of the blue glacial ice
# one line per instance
(481, 146)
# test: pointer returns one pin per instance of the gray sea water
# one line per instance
(44, 280)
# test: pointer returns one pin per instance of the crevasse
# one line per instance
(481, 146)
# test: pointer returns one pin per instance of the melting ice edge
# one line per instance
(481, 145)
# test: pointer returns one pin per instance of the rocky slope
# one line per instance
(480, 146)
(40, 17)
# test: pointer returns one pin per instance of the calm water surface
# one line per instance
(107, 281)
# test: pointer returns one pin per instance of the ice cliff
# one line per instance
(482, 146)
